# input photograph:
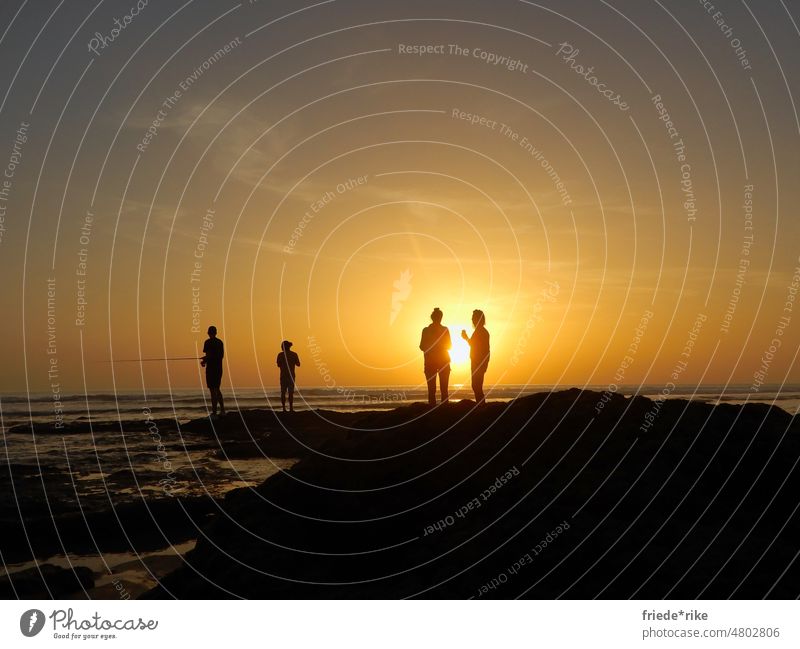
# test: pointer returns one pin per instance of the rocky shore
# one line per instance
(551, 495)
(573, 494)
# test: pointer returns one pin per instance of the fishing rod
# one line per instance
(145, 360)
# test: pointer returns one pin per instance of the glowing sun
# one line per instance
(459, 354)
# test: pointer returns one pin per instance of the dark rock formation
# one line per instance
(46, 581)
(547, 496)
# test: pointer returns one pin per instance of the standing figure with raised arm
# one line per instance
(435, 345)
(478, 353)
(213, 353)
(287, 361)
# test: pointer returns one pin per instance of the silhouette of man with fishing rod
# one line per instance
(213, 352)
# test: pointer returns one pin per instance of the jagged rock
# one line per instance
(694, 501)
(46, 581)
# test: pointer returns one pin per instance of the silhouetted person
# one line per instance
(213, 352)
(435, 344)
(478, 353)
(287, 361)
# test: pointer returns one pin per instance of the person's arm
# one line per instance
(297, 360)
(466, 337)
(422, 341)
(278, 360)
(447, 341)
(205, 353)
(221, 350)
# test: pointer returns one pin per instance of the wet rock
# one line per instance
(46, 582)
(653, 499)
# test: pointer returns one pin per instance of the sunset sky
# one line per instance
(311, 175)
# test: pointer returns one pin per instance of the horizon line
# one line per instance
(544, 386)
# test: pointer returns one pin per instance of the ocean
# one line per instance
(185, 404)
(110, 436)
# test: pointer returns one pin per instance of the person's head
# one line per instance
(285, 345)
(436, 315)
(478, 319)
(212, 331)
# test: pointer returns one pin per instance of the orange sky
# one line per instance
(332, 191)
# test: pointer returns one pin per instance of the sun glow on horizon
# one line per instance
(459, 354)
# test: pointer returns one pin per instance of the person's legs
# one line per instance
(283, 397)
(221, 402)
(213, 393)
(291, 398)
(444, 380)
(213, 381)
(477, 385)
(430, 377)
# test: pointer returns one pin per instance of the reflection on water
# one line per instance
(118, 575)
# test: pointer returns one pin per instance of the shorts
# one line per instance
(213, 377)
(287, 382)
